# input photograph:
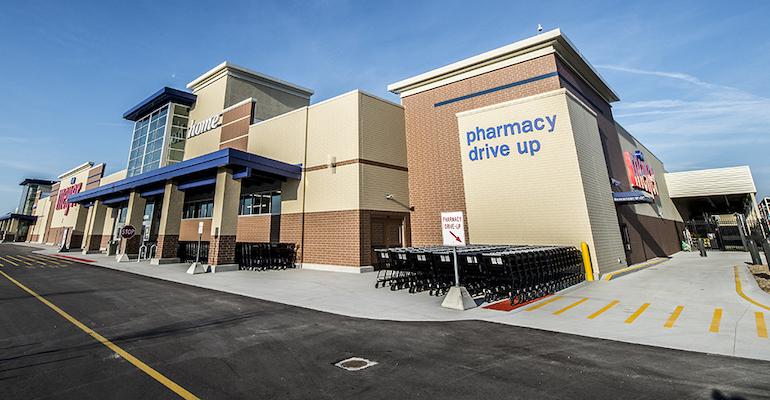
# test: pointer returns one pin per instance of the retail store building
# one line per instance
(521, 139)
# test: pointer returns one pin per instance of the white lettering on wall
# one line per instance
(197, 128)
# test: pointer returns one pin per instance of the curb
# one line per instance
(739, 288)
(625, 271)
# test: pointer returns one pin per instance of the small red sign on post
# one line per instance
(127, 232)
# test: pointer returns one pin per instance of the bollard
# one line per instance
(702, 248)
(587, 261)
(755, 257)
(766, 249)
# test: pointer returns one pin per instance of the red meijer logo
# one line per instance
(62, 202)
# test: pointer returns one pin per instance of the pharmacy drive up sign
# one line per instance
(453, 228)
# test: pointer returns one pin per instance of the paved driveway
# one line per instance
(687, 303)
(711, 316)
(182, 340)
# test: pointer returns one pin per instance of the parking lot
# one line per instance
(210, 344)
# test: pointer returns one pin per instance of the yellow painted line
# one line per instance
(182, 392)
(43, 261)
(575, 304)
(32, 259)
(603, 309)
(9, 261)
(761, 327)
(54, 260)
(739, 290)
(715, 320)
(637, 313)
(21, 261)
(543, 303)
(612, 274)
(674, 316)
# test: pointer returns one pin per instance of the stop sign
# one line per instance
(127, 232)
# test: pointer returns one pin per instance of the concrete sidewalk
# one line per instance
(691, 302)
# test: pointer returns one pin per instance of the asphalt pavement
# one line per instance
(224, 346)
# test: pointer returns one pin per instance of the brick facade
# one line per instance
(188, 230)
(433, 148)
(167, 246)
(259, 228)
(222, 250)
(94, 243)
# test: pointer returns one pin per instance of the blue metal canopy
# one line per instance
(20, 217)
(633, 196)
(158, 99)
(245, 164)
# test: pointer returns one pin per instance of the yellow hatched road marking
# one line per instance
(32, 259)
(50, 259)
(182, 392)
(46, 262)
(9, 261)
(637, 313)
(715, 320)
(761, 327)
(603, 309)
(543, 303)
(575, 304)
(674, 316)
(21, 261)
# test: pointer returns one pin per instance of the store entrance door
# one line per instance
(386, 232)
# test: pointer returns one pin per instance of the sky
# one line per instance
(693, 77)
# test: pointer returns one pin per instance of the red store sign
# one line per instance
(640, 173)
(62, 202)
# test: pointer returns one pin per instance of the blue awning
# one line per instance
(20, 217)
(244, 164)
(158, 99)
(633, 196)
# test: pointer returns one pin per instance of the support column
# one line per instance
(94, 228)
(170, 221)
(224, 222)
(130, 247)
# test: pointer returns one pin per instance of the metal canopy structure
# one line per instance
(158, 99)
(20, 217)
(196, 172)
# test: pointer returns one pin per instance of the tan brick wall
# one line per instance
(167, 246)
(188, 230)
(222, 250)
(333, 237)
(105, 241)
(256, 228)
(433, 150)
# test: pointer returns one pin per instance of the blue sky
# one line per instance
(693, 77)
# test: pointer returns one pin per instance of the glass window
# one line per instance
(198, 209)
(260, 203)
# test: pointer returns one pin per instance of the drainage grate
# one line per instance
(355, 364)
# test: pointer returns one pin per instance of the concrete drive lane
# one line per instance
(219, 345)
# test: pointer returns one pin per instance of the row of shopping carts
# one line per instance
(520, 273)
(265, 256)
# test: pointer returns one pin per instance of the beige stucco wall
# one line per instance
(383, 135)
(270, 101)
(114, 177)
(607, 242)
(540, 199)
(333, 130)
(349, 129)
(283, 138)
(210, 102)
(41, 212)
(77, 213)
(663, 207)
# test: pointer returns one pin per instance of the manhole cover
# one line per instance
(355, 364)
